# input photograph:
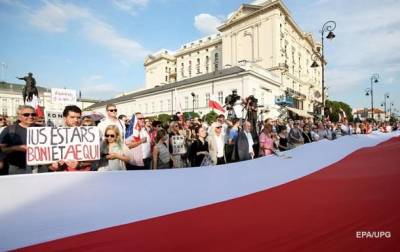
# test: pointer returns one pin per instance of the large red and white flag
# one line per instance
(323, 196)
(35, 103)
(215, 104)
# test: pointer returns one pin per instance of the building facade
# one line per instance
(260, 47)
(11, 99)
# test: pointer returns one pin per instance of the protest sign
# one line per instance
(64, 96)
(178, 145)
(47, 144)
(54, 118)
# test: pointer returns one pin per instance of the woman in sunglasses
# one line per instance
(114, 154)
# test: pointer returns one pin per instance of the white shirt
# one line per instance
(220, 145)
(250, 141)
(146, 147)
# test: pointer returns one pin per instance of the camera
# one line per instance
(231, 99)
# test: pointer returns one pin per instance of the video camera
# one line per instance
(231, 99)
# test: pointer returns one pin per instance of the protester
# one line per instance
(283, 141)
(244, 143)
(307, 136)
(13, 141)
(114, 152)
(199, 149)
(141, 137)
(295, 138)
(216, 144)
(267, 141)
(111, 119)
(177, 146)
(233, 133)
(72, 118)
(88, 121)
(161, 155)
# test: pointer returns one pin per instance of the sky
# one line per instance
(98, 47)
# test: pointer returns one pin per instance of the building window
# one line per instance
(186, 102)
(207, 64)
(207, 98)
(153, 107)
(146, 108)
(4, 111)
(166, 69)
(169, 104)
(216, 60)
(262, 98)
(161, 105)
(190, 68)
(183, 70)
(221, 97)
(196, 101)
(198, 66)
(166, 78)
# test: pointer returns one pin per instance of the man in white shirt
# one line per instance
(111, 119)
(141, 137)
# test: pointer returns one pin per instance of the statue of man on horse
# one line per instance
(30, 88)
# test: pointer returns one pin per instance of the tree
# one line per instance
(210, 117)
(164, 118)
(335, 107)
(191, 115)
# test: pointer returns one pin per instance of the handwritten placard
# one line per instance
(47, 144)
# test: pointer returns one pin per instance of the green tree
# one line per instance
(335, 107)
(191, 115)
(164, 118)
(210, 117)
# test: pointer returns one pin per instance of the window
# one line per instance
(198, 66)
(207, 98)
(216, 61)
(183, 70)
(161, 105)
(4, 111)
(166, 69)
(196, 101)
(166, 78)
(221, 97)
(207, 64)
(262, 98)
(190, 68)
(146, 108)
(169, 104)
(186, 102)
(153, 107)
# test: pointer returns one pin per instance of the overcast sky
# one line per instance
(98, 47)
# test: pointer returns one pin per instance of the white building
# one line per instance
(11, 99)
(364, 113)
(259, 51)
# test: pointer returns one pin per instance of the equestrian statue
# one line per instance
(30, 88)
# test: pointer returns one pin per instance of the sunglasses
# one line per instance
(29, 114)
(107, 135)
(218, 127)
(112, 110)
(141, 118)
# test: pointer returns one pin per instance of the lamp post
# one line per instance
(329, 27)
(370, 91)
(385, 102)
(390, 110)
(193, 95)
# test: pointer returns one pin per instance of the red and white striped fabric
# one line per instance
(318, 197)
(215, 104)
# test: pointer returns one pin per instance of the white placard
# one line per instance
(64, 96)
(47, 144)
(54, 117)
(178, 145)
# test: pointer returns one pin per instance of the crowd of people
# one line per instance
(143, 143)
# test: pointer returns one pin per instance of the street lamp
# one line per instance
(193, 95)
(370, 91)
(385, 102)
(329, 27)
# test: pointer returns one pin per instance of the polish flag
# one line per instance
(215, 104)
(322, 196)
(35, 103)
